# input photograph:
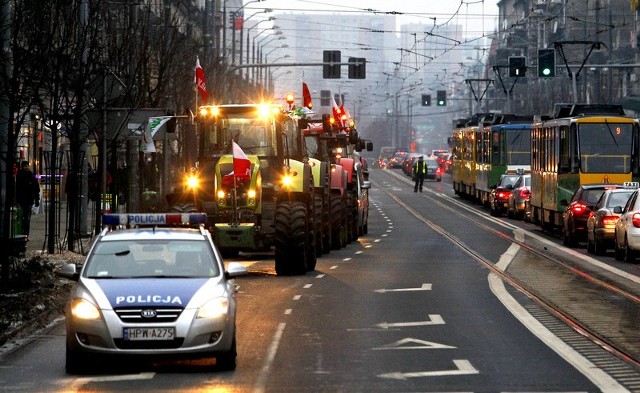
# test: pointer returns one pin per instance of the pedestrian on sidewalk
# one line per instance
(27, 194)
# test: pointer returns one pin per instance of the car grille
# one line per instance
(151, 344)
(135, 314)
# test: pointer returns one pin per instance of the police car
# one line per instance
(157, 288)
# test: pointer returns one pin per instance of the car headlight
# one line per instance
(83, 309)
(214, 308)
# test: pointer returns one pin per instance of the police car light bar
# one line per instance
(152, 219)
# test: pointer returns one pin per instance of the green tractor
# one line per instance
(273, 205)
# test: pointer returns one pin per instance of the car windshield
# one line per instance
(153, 258)
(508, 180)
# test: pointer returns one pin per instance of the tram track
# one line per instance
(539, 286)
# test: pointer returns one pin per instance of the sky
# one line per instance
(477, 16)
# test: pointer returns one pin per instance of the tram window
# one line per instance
(605, 147)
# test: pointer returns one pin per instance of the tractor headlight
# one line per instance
(287, 180)
(193, 182)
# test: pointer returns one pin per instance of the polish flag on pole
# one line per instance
(241, 167)
(200, 82)
(306, 96)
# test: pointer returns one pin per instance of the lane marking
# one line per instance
(297, 297)
(320, 275)
(333, 267)
(358, 252)
(346, 259)
(434, 319)
(288, 311)
(261, 383)
(307, 286)
(424, 287)
(463, 366)
(401, 344)
(77, 383)
(596, 375)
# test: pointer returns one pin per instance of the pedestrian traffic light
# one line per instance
(546, 63)
(357, 68)
(441, 98)
(517, 66)
(331, 71)
(426, 100)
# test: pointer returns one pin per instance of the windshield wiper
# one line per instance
(610, 132)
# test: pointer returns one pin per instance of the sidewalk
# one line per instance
(38, 238)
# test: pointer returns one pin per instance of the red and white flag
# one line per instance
(200, 82)
(336, 112)
(306, 96)
(241, 166)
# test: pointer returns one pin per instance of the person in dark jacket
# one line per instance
(27, 194)
(419, 170)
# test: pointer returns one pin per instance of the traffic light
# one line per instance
(517, 66)
(441, 98)
(357, 68)
(546, 63)
(331, 71)
(426, 100)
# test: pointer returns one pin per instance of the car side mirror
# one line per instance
(69, 271)
(509, 187)
(617, 209)
(366, 184)
(564, 202)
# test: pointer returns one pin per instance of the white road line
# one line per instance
(463, 367)
(261, 382)
(320, 275)
(596, 375)
(346, 259)
(358, 252)
(333, 267)
(297, 297)
(307, 286)
(288, 311)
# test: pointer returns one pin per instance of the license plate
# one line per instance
(150, 333)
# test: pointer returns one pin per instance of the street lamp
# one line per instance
(271, 18)
(224, 23)
(277, 47)
(266, 10)
(253, 47)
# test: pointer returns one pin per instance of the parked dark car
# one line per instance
(576, 214)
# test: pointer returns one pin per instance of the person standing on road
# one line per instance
(27, 194)
(419, 170)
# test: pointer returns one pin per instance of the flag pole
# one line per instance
(235, 192)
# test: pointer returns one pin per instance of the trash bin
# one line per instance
(18, 240)
(16, 221)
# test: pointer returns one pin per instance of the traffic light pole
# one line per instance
(559, 46)
(509, 93)
(475, 96)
